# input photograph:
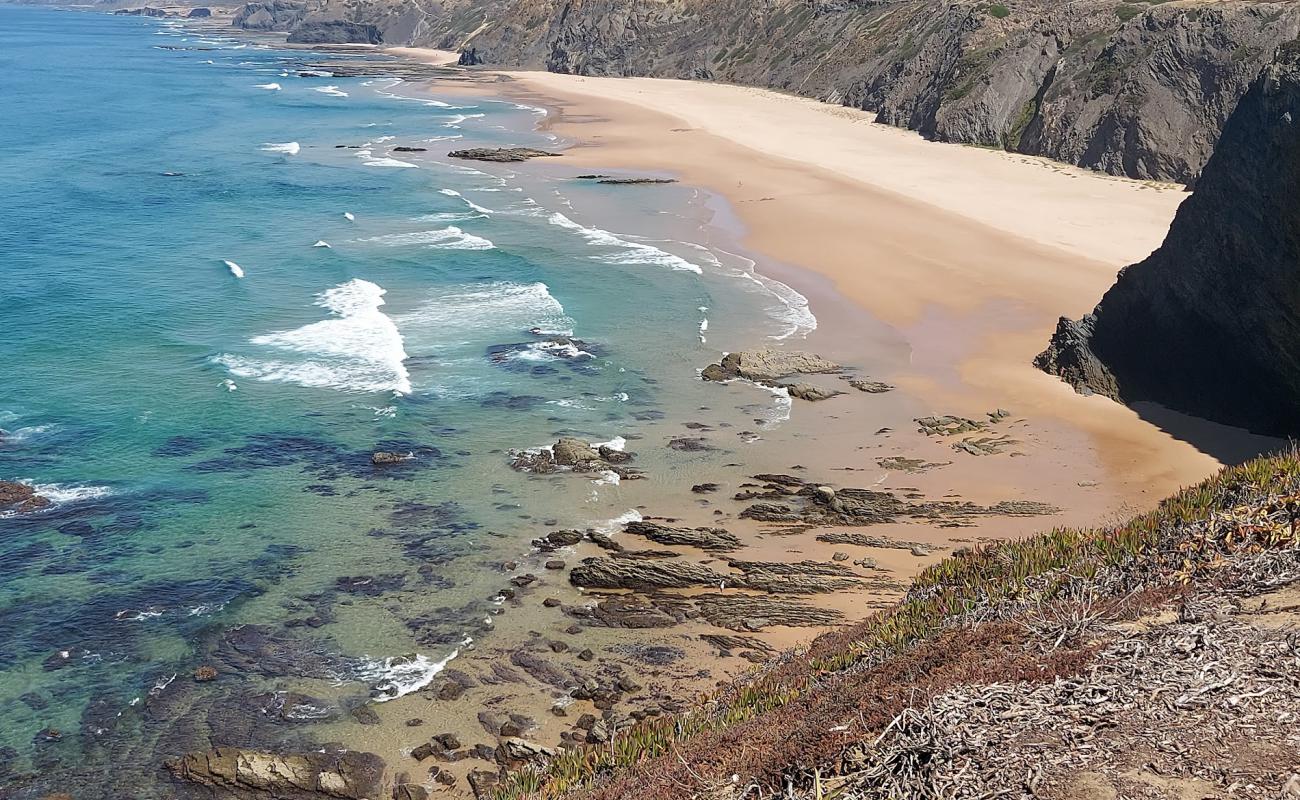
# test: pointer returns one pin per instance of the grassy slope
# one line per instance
(964, 621)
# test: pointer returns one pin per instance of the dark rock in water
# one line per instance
(705, 488)
(405, 149)
(275, 15)
(199, 13)
(146, 11)
(261, 650)
(557, 539)
(501, 154)
(20, 498)
(346, 774)
(205, 674)
(35, 701)
(293, 707)
(370, 585)
(690, 444)
(364, 715)
(382, 458)
(1209, 324)
(469, 57)
(334, 31)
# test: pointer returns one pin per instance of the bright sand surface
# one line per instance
(425, 55)
(970, 254)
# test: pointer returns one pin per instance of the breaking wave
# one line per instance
(359, 349)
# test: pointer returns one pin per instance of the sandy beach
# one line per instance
(970, 254)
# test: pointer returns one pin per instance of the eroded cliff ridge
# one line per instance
(1209, 324)
(1133, 89)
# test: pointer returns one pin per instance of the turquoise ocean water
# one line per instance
(198, 381)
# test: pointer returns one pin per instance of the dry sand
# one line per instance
(971, 254)
(425, 55)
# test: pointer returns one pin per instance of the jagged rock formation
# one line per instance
(235, 773)
(1209, 324)
(275, 15)
(335, 31)
(1133, 89)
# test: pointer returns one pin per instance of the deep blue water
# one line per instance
(206, 438)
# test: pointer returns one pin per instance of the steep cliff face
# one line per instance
(1132, 89)
(1209, 324)
(1139, 90)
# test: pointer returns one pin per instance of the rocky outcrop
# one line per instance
(1209, 324)
(20, 498)
(309, 776)
(146, 11)
(199, 13)
(501, 154)
(1128, 88)
(335, 31)
(276, 15)
(765, 366)
(574, 455)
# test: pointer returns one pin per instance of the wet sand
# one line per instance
(971, 255)
(937, 268)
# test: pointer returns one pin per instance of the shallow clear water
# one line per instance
(199, 386)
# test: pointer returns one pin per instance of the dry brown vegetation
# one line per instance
(1025, 620)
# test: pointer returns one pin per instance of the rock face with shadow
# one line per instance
(1137, 89)
(1209, 324)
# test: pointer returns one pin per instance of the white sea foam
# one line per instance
(616, 524)
(234, 268)
(500, 306)
(456, 120)
(448, 238)
(323, 243)
(25, 433)
(333, 91)
(606, 478)
(288, 148)
(359, 349)
(792, 308)
(448, 216)
(274, 87)
(391, 678)
(629, 252)
(389, 162)
(453, 193)
(229, 385)
(617, 443)
(552, 351)
(62, 494)
(347, 215)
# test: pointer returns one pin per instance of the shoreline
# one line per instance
(974, 302)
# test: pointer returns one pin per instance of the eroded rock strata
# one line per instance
(1209, 324)
(1128, 88)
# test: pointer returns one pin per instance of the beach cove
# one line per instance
(385, 612)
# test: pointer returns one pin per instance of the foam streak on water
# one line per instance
(629, 252)
(360, 349)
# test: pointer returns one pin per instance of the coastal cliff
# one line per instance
(1131, 89)
(1209, 324)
